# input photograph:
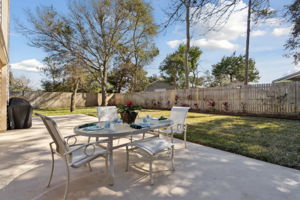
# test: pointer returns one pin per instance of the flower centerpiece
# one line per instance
(128, 112)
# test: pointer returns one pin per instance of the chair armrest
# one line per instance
(66, 137)
(85, 146)
(69, 137)
(51, 147)
(80, 147)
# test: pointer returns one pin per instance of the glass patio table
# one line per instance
(119, 130)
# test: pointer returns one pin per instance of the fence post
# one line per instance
(172, 98)
(203, 98)
(240, 97)
(296, 97)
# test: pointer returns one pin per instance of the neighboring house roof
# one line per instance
(288, 78)
(159, 86)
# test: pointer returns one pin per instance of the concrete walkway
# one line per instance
(201, 173)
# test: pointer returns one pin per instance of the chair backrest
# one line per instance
(179, 114)
(61, 145)
(107, 113)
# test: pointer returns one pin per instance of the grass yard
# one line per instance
(272, 140)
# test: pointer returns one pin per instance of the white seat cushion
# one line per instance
(79, 157)
(152, 145)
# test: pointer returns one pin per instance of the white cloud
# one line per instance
(234, 27)
(281, 31)
(174, 43)
(271, 22)
(32, 65)
(225, 35)
(258, 33)
(214, 44)
(210, 44)
(262, 48)
(294, 69)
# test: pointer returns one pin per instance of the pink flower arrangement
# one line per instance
(128, 107)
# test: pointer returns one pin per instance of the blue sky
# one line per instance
(266, 45)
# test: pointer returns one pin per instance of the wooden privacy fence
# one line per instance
(281, 99)
(39, 99)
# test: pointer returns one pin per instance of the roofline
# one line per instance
(287, 77)
(159, 81)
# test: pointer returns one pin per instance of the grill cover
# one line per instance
(19, 113)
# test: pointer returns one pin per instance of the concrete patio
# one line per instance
(201, 173)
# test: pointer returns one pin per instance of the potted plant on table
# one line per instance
(128, 112)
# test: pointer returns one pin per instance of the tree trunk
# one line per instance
(194, 80)
(73, 96)
(247, 42)
(187, 49)
(103, 85)
(119, 89)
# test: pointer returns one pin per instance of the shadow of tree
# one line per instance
(271, 140)
(201, 172)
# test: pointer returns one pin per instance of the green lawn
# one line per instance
(272, 140)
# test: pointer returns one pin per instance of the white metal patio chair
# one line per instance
(74, 155)
(152, 148)
(107, 113)
(178, 116)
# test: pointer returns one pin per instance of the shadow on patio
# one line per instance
(201, 172)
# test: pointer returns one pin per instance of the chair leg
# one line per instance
(90, 167)
(185, 138)
(106, 164)
(150, 171)
(52, 169)
(172, 135)
(172, 158)
(68, 179)
(127, 159)
(111, 161)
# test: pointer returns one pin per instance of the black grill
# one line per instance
(19, 113)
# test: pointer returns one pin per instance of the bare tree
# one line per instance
(54, 70)
(65, 75)
(21, 83)
(198, 10)
(94, 32)
(293, 43)
(187, 4)
(76, 76)
(257, 10)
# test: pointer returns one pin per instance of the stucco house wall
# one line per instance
(4, 40)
